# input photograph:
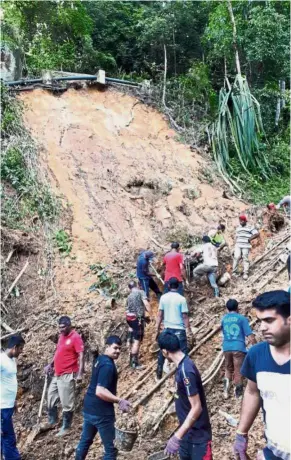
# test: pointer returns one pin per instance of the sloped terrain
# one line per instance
(127, 184)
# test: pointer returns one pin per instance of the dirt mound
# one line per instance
(117, 165)
(128, 185)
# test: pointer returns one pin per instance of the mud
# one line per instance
(125, 179)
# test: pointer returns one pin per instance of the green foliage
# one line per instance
(238, 129)
(63, 242)
(105, 282)
(23, 194)
(127, 40)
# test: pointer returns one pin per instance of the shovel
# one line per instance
(37, 428)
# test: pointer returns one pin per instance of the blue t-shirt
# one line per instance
(104, 373)
(142, 267)
(173, 305)
(235, 329)
(273, 382)
(188, 383)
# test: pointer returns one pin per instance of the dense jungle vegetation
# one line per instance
(219, 69)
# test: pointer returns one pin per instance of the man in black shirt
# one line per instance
(193, 438)
(99, 402)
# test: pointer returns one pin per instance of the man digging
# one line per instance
(68, 367)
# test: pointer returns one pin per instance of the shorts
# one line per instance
(137, 326)
(190, 451)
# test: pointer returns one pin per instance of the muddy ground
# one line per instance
(126, 184)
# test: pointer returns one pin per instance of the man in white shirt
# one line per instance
(210, 264)
(244, 235)
(8, 370)
(285, 202)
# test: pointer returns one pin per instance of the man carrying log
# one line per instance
(193, 438)
(136, 305)
(68, 367)
(173, 263)
(98, 409)
(267, 368)
(235, 328)
(144, 276)
(173, 311)
(8, 371)
(244, 235)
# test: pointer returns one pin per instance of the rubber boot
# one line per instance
(216, 292)
(226, 385)
(67, 422)
(135, 364)
(159, 372)
(238, 391)
(52, 419)
(245, 276)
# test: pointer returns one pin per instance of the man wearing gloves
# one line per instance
(193, 438)
(98, 409)
(267, 368)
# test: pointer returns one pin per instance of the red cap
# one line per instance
(243, 217)
(271, 206)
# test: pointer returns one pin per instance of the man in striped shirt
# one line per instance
(244, 235)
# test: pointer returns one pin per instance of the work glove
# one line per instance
(48, 370)
(240, 447)
(172, 446)
(124, 405)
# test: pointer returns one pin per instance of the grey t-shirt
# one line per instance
(134, 303)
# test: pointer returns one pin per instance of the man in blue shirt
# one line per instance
(235, 328)
(99, 403)
(144, 276)
(193, 438)
(267, 368)
(173, 311)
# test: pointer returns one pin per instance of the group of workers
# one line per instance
(266, 365)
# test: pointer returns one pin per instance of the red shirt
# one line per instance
(67, 353)
(173, 262)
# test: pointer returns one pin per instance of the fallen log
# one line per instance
(6, 327)
(16, 280)
(162, 414)
(160, 382)
(145, 376)
(270, 250)
(158, 244)
(272, 277)
(214, 373)
(262, 273)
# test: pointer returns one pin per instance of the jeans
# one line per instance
(180, 289)
(190, 451)
(105, 426)
(181, 334)
(9, 450)
(203, 269)
(148, 283)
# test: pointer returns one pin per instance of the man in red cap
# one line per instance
(244, 235)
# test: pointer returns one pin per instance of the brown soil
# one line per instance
(124, 178)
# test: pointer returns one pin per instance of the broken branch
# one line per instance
(16, 280)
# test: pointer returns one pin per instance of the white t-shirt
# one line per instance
(8, 381)
(210, 255)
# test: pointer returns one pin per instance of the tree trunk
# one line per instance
(278, 108)
(234, 35)
(165, 76)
